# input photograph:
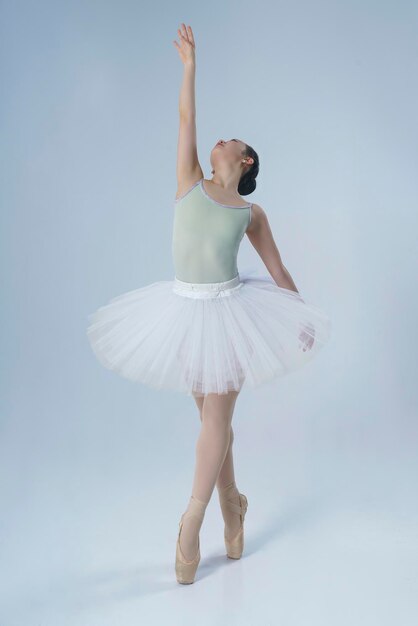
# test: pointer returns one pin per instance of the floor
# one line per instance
(331, 537)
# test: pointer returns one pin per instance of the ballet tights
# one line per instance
(227, 488)
(192, 522)
(214, 466)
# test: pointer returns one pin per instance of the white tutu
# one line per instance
(207, 337)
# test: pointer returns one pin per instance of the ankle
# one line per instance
(202, 503)
(223, 486)
(229, 490)
(196, 508)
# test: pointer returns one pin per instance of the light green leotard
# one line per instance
(207, 236)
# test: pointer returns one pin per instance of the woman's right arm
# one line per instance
(188, 167)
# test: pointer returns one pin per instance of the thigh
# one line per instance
(199, 399)
(224, 403)
(219, 406)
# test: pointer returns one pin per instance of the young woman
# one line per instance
(211, 329)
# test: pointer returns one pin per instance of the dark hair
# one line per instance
(247, 182)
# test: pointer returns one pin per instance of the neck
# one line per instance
(229, 181)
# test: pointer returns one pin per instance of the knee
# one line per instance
(217, 419)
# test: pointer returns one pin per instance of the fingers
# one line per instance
(183, 32)
(191, 37)
(186, 33)
(306, 341)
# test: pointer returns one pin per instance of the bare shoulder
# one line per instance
(258, 218)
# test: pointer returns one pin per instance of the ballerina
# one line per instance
(211, 329)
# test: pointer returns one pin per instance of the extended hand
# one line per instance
(186, 49)
(306, 336)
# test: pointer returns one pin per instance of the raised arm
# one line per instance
(188, 167)
(261, 237)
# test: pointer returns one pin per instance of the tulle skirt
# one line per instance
(201, 338)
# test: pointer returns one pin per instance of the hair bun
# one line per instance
(247, 185)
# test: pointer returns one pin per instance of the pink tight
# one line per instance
(214, 464)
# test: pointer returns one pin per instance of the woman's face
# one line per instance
(229, 150)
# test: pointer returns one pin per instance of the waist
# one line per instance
(207, 290)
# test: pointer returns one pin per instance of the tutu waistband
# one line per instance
(207, 290)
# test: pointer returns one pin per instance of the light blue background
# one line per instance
(95, 470)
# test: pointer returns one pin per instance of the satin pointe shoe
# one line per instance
(235, 546)
(186, 570)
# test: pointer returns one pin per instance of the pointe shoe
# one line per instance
(235, 546)
(186, 570)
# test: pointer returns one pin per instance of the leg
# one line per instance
(226, 485)
(211, 449)
(213, 442)
(226, 474)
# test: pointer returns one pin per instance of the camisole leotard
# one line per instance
(207, 236)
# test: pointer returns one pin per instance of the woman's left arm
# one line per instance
(261, 237)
